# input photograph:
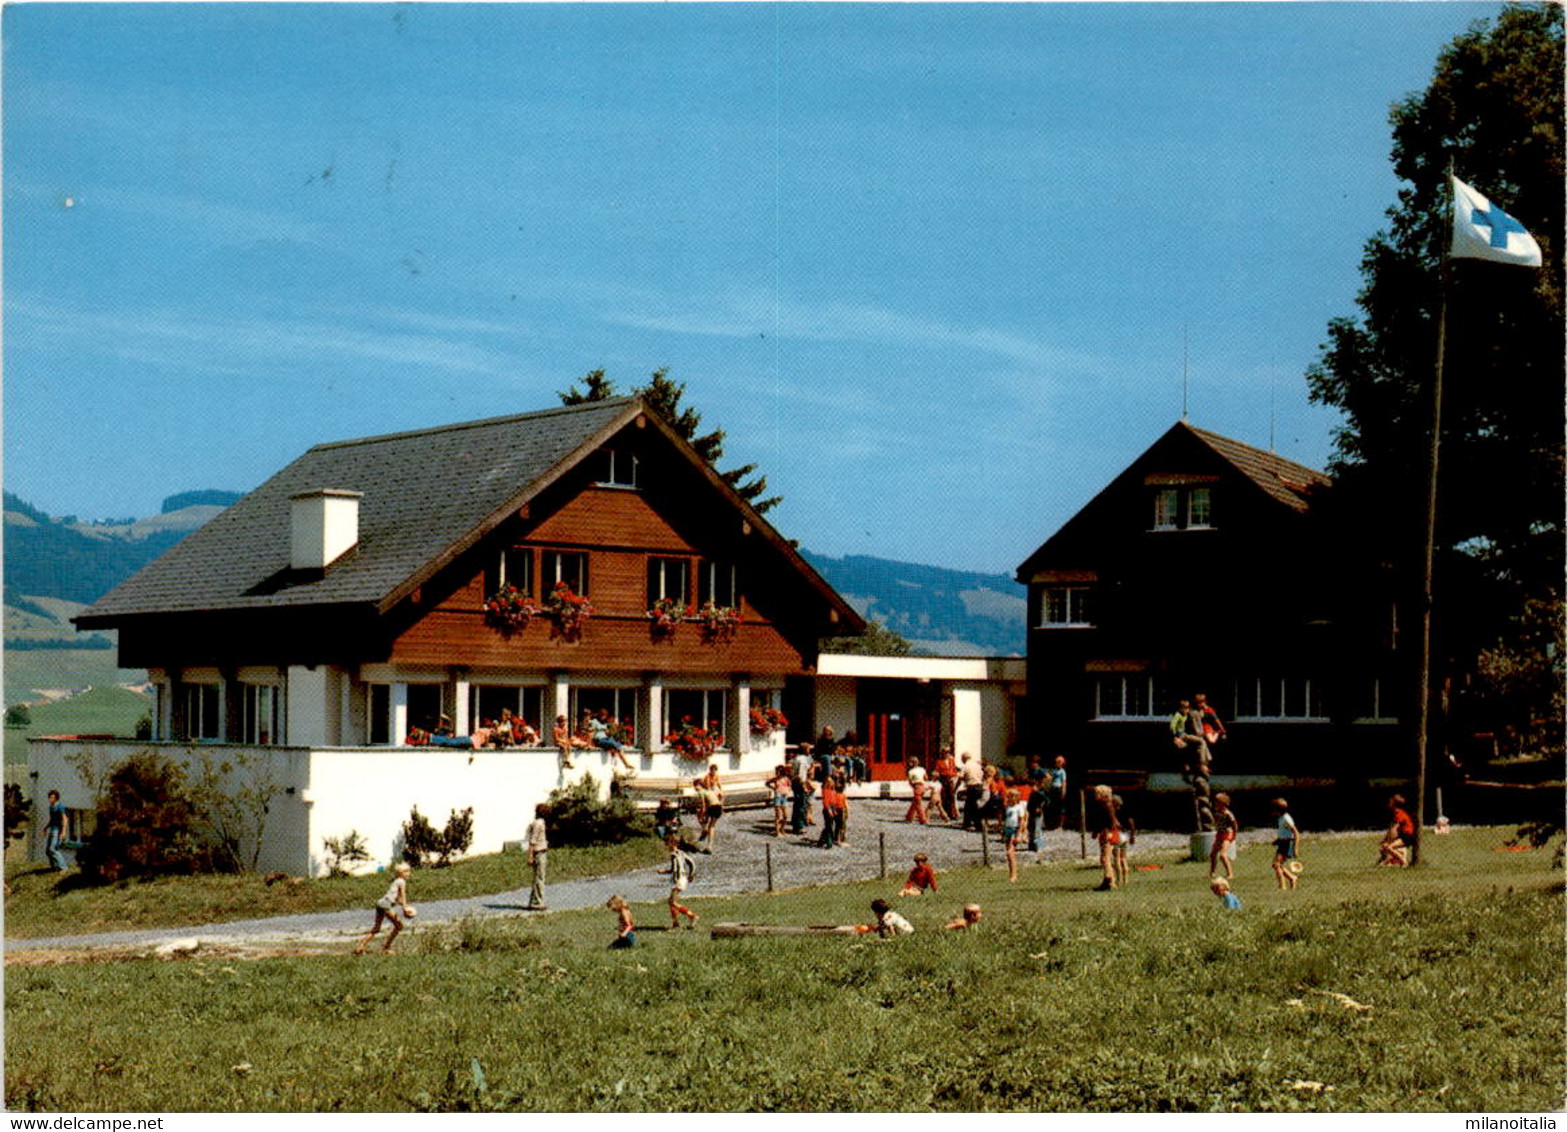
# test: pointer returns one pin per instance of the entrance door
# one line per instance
(886, 745)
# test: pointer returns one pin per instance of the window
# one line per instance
(1199, 508)
(1279, 697)
(1183, 508)
(668, 578)
(486, 702)
(1166, 510)
(202, 712)
(1126, 697)
(701, 707)
(263, 714)
(379, 727)
(716, 583)
(620, 703)
(569, 566)
(424, 706)
(618, 468)
(1065, 606)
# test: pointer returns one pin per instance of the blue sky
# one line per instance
(930, 266)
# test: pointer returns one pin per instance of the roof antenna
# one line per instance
(1273, 383)
(1184, 382)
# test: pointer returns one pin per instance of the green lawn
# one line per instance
(1150, 999)
(45, 904)
(98, 711)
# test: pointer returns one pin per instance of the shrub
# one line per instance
(421, 841)
(17, 715)
(16, 811)
(577, 816)
(147, 824)
(344, 851)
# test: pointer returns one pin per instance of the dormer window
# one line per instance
(618, 468)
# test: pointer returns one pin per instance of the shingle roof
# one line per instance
(474, 470)
(1284, 480)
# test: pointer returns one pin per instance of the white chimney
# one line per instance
(325, 527)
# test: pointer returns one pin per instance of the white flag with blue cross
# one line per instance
(1481, 230)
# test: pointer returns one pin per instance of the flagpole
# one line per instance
(1423, 688)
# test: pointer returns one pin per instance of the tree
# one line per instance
(663, 396)
(877, 640)
(1494, 111)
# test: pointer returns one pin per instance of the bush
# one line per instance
(147, 824)
(17, 715)
(421, 841)
(576, 816)
(344, 851)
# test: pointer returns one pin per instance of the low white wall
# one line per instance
(330, 791)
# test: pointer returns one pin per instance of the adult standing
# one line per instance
(800, 783)
(55, 832)
(916, 811)
(972, 772)
(538, 857)
(947, 776)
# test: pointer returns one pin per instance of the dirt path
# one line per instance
(738, 864)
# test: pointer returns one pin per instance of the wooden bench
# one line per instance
(742, 791)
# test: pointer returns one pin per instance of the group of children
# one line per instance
(1286, 848)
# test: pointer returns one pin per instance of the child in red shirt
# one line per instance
(921, 877)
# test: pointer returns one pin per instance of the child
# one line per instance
(1221, 889)
(921, 877)
(783, 793)
(1400, 835)
(1128, 828)
(1108, 835)
(666, 819)
(1011, 827)
(1225, 827)
(626, 935)
(834, 809)
(681, 870)
(969, 919)
(1286, 845)
(387, 908)
(888, 923)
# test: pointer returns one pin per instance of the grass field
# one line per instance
(43, 903)
(1436, 989)
(98, 711)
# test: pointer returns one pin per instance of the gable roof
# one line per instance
(1283, 481)
(427, 496)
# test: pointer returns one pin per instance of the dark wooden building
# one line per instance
(1200, 569)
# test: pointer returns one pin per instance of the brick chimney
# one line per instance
(325, 527)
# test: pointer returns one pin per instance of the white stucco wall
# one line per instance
(331, 791)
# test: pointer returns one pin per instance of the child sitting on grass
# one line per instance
(387, 908)
(921, 877)
(1221, 889)
(968, 918)
(888, 923)
(626, 935)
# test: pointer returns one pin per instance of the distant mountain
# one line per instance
(80, 562)
(939, 611)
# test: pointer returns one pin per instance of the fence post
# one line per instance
(1082, 823)
(883, 838)
(768, 846)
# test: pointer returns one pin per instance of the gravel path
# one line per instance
(737, 865)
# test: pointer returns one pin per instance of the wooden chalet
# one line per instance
(347, 604)
(1200, 568)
